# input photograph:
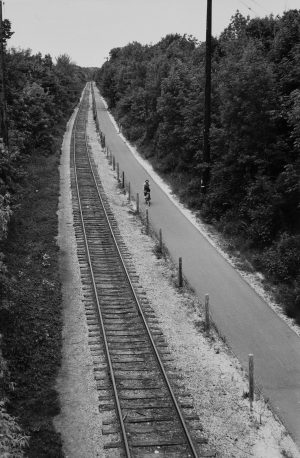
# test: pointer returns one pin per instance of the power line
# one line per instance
(249, 7)
(261, 7)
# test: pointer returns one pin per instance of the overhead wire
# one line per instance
(249, 7)
(261, 7)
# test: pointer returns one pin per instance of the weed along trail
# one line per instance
(247, 323)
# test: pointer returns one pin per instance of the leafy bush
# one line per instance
(12, 439)
(5, 214)
(282, 260)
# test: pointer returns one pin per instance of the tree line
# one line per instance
(40, 95)
(156, 93)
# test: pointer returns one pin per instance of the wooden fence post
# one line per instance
(207, 320)
(180, 273)
(160, 241)
(129, 191)
(118, 172)
(251, 381)
(123, 180)
(137, 203)
(147, 221)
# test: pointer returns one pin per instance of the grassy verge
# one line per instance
(31, 308)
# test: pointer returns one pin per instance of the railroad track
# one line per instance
(149, 411)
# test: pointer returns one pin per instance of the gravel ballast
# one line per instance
(79, 422)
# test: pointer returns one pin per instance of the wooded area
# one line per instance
(41, 95)
(156, 93)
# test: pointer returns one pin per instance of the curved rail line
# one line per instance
(133, 352)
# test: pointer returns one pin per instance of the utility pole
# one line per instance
(207, 99)
(3, 114)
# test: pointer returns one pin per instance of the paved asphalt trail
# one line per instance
(248, 324)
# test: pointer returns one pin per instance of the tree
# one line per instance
(7, 33)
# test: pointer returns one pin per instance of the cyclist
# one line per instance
(146, 187)
(147, 191)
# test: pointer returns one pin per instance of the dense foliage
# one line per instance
(40, 97)
(157, 94)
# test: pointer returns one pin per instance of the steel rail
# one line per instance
(111, 371)
(158, 358)
(160, 363)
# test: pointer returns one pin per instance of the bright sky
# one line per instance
(87, 30)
